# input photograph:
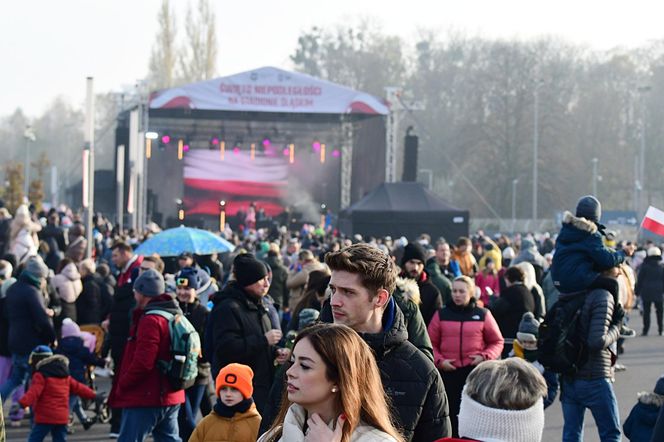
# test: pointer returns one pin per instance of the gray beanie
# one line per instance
(150, 283)
(35, 267)
(589, 208)
(528, 327)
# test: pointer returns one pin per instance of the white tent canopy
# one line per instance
(269, 89)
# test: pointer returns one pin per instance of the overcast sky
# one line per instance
(48, 47)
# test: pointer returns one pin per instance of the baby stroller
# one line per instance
(93, 336)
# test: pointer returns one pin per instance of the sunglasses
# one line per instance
(182, 282)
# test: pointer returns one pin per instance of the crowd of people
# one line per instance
(308, 335)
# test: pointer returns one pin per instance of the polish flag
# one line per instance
(654, 221)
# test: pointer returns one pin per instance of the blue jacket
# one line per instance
(79, 356)
(29, 326)
(641, 420)
(580, 255)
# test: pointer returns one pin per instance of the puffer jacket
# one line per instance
(514, 301)
(650, 282)
(596, 315)
(641, 420)
(417, 329)
(441, 280)
(198, 314)
(431, 299)
(459, 332)
(68, 283)
(410, 379)
(29, 326)
(580, 255)
(242, 427)
(140, 382)
(294, 424)
(49, 391)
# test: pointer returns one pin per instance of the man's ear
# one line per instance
(381, 298)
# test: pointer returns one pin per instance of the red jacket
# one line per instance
(461, 332)
(125, 277)
(483, 281)
(49, 391)
(140, 383)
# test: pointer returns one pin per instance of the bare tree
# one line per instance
(198, 58)
(164, 53)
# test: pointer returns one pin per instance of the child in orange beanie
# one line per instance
(234, 415)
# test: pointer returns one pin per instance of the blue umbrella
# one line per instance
(173, 242)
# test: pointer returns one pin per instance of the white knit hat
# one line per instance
(477, 421)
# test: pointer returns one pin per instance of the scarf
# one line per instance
(225, 411)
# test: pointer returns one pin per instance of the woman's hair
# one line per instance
(350, 364)
(529, 277)
(316, 286)
(486, 269)
(468, 281)
(492, 383)
(20, 221)
(64, 262)
(515, 274)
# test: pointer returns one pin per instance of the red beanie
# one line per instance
(238, 376)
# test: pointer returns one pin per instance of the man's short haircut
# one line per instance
(122, 246)
(375, 267)
(103, 270)
(463, 241)
(515, 274)
(158, 263)
(305, 255)
(508, 384)
(440, 242)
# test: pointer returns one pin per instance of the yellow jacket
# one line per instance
(243, 427)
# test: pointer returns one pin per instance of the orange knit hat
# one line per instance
(238, 376)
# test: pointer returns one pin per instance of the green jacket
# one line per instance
(417, 329)
(439, 280)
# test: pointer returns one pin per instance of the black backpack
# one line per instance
(561, 347)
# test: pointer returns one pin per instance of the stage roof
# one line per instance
(269, 89)
(401, 197)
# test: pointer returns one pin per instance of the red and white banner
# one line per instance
(654, 221)
(237, 179)
(269, 89)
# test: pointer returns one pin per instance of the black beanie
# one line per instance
(589, 208)
(248, 269)
(413, 251)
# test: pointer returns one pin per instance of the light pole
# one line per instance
(29, 135)
(642, 154)
(595, 161)
(514, 183)
(222, 216)
(535, 147)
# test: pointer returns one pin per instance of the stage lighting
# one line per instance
(165, 139)
(316, 146)
(236, 150)
(252, 152)
(180, 149)
(266, 142)
(151, 135)
(186, 148)
(336, 153)
(322, 153)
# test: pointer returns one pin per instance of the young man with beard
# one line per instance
(363, 277)
(412, 264)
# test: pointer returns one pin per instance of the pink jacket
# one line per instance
(461, 332)
(483, 281)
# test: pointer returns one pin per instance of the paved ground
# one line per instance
(644, 358)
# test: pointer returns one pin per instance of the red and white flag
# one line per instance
(654, 221)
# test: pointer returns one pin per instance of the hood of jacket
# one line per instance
(394, 331)
(56, 366)
(163, 302)
(409, 288)
(70, 272)
(650, 398)
(575, 228)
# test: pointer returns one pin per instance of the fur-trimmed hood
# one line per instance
(650, 398)
(579, 222)
(56, 366)
(410, 289)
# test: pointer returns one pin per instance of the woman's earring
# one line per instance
(334, 389)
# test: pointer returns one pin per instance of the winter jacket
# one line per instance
(236, 333)
(442, 279)
(461, 332)
(278, 289)
(198, 314)
(600, 334)
(55, 238)
(140, 382)
(4, 330)
(514, 301)
(92, 305)
(294, 424)
(297, 281)
(29, 326)
(467, 263)
(49, 391)
(79, 356)
(120, 318)
(415, 325)
(432, 301)
(67, 283)
(641, 420)
(127, 275)
(5, 225)
(410, 379)
(580, 255)
(529, 253)
(23, 246)
(650, 282)
(77, 248)
(242, 427)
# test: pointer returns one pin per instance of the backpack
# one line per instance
(561, 348)
(185, 349)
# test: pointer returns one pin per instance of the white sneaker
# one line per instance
(103, 372)
(113, 435)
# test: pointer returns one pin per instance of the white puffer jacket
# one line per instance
(67, 283)
(296, 417)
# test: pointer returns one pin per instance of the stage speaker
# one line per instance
(410, 156)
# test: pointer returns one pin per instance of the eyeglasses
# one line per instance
(182, 282)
